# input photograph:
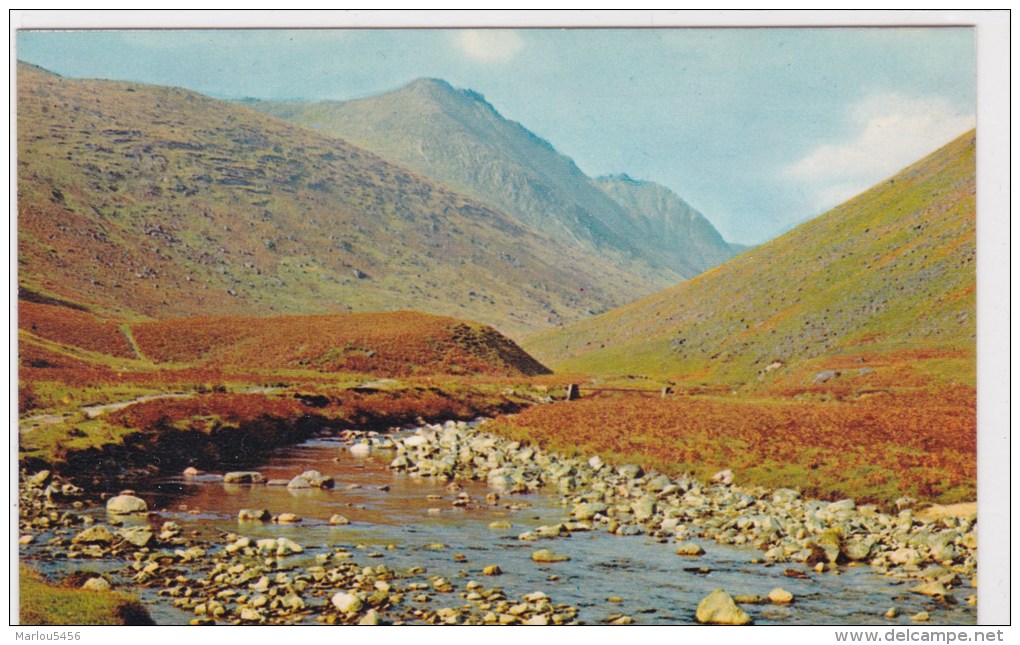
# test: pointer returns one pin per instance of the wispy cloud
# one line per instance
(490, 45)
(889, 132)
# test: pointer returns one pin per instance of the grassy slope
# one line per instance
(888, 274)
(42, 603)
(457, 138)
(146, 201)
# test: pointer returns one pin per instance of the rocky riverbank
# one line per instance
(243, 578)
(938, 555)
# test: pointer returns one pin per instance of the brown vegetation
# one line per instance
(876, 448)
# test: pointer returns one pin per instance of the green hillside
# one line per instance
(886, 279)
(150, 201)
(458, 139)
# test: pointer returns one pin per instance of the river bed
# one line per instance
(406, 521)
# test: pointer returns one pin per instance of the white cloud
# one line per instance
(490, 45)
(892, 132)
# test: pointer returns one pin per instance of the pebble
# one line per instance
(96, 584)
(780, 596)
(126, 505)
(346, 602)
(244, 477)
(689, 549)
(718, 608)
(545, 555)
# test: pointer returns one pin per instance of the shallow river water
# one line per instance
(645, 578)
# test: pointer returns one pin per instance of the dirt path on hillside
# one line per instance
(29, 424)
(91, 411)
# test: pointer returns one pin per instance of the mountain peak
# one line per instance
(426, 83)
(623, 177)
(438, 89)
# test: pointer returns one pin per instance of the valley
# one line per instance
(401, 291)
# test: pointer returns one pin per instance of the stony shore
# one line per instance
(243, 580)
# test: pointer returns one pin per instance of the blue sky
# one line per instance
(759, 129)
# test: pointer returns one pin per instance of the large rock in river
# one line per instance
(311, 479)
(139, 536)
(545, 555)
(244, 477)
(98, 534)
(126, 504)
(718, 608)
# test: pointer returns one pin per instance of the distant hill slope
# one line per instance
(400, 343)
(457, 138)
(890, 272)
(669, 224)
(149, 201)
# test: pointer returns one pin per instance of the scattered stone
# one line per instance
(97, 534)
(784, 495)
(588, 510)
(780, 596)
(285, 546)
(831, 543)
(371, 617)
(347, 603)
(630, 471)
(545, 555)
(287, 518)
(643, 509)
(311, 479)
(244, 477)
(921, 617)
(718, 608)
(858, 549)
(40, 479)
(499, 525)
(254, 515)
(190, 471)
(724, 477)
(126, 505)
(689, 549)
(492, 570)
(339, 520)
(842, 506)
(892, 612)
(930, 588)
(139, 536)
(96, 584)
